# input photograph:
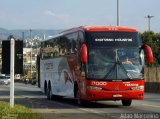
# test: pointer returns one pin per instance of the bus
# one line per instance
(94, 63)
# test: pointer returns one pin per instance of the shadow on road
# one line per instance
(37, 100)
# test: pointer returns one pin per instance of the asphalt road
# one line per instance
(66, 108)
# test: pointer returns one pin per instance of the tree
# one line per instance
(153, 40)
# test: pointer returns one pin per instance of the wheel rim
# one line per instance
(50, 93)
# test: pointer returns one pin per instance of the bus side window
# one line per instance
(72, 42)
(80, 40)
(83, 69)
(73, 46)
(79, 48)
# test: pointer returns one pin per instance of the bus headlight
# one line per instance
(94, 88)
(138, 88)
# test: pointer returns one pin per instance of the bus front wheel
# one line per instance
(79, 100)
(126, 102)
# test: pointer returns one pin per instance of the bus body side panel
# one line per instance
(57, 71)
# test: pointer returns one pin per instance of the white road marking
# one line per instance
(151, 105)
(34, 96)
(93, 111)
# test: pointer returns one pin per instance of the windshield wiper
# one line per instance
(117, 63)
(126, 72)
(113, 67)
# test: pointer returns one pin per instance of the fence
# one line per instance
(152, 79)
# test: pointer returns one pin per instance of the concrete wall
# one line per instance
(152, 79)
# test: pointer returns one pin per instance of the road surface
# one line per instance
(66, 108)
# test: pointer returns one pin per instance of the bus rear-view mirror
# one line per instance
(84, 54)
(149, 53)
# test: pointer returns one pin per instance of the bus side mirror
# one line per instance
(149, 53)
(84, 54)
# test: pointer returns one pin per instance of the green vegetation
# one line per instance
(18, 112)
(153, 40)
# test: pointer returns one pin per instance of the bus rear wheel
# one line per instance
(126, 102)
(49, 93)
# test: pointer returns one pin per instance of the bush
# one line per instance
(18, 112)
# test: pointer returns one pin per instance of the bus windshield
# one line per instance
(115, 64)
(114, 56)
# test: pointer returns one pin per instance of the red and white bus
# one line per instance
(93, 63)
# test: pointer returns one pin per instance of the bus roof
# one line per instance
(101, 28)
(94, 29)
(109, 28)
(50, 37)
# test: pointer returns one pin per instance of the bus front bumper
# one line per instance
(92, 95)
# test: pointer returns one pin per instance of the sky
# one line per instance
(64, 14)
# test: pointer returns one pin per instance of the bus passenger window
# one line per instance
(83, 69)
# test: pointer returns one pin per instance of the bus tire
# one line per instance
(49, 93)
(80, 102)
(126, 102)
(45, 87)
(75, 90)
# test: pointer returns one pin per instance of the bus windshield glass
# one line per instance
(113, 39)
(116, 62)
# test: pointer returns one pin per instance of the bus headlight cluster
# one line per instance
(138, 88)
(94, 88)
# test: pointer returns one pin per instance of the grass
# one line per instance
(18, 112)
